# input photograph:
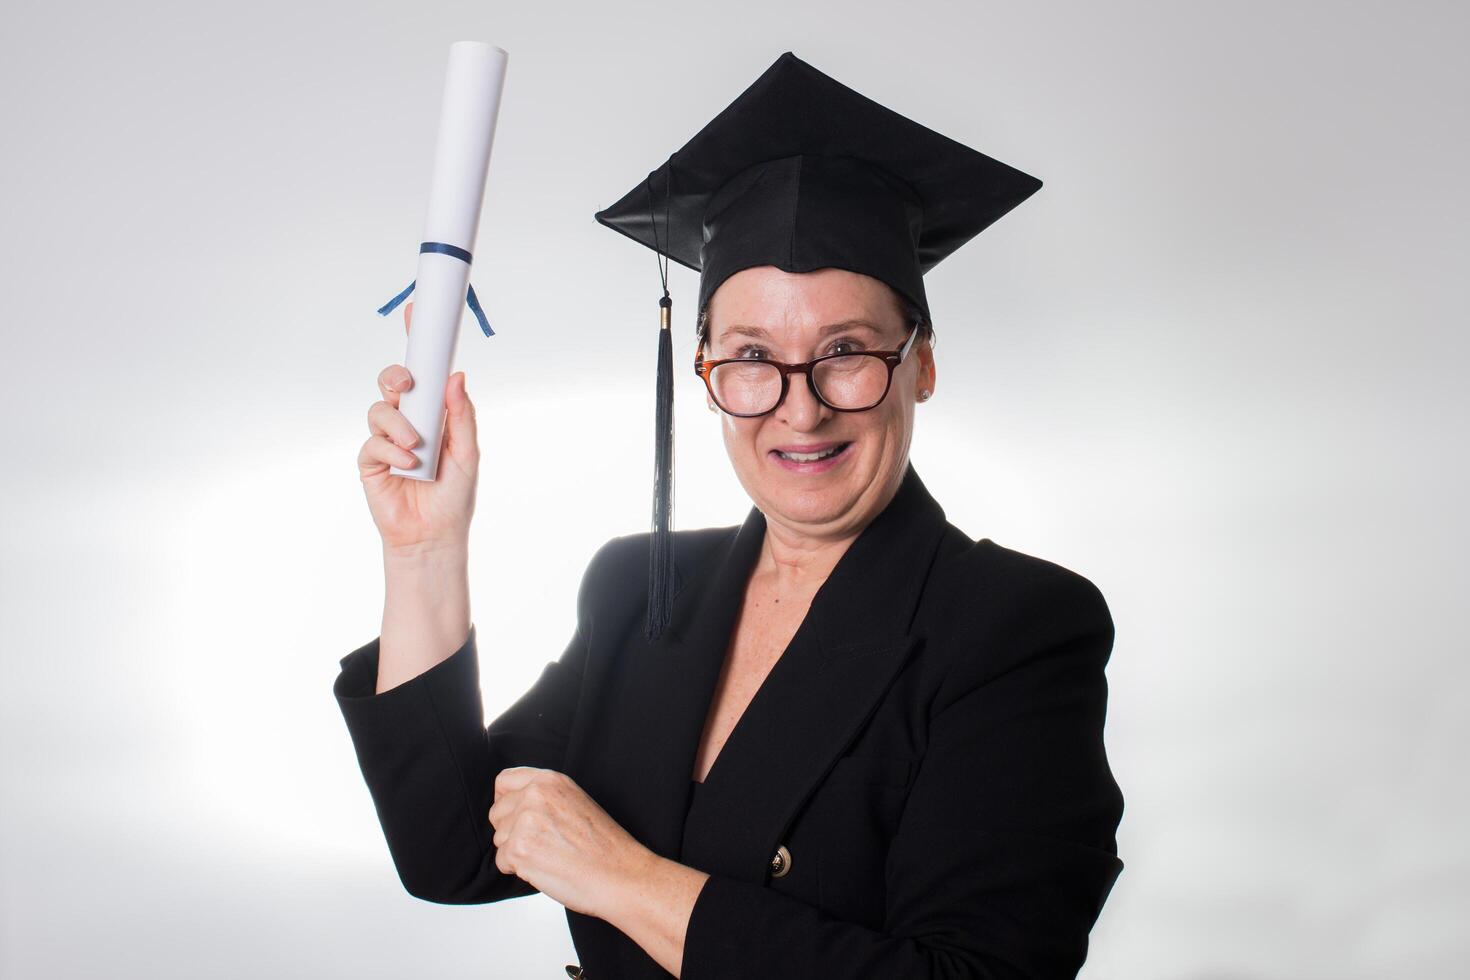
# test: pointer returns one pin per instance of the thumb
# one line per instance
(461, 421)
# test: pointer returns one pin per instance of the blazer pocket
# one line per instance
(872, 770)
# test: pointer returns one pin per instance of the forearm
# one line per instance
(426, 612)
(652, 904)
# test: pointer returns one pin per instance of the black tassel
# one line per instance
(661, 548)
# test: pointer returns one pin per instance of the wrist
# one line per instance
(427, 556)
(632, 877)
(651, 902)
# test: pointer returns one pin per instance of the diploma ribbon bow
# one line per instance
(470, 299)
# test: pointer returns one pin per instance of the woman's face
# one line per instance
(765, 312)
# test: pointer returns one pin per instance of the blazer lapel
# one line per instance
(639, 757)
(849, 647)
(855, 638)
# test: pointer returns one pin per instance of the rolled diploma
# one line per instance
(461, 163)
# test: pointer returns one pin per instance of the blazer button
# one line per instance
(781, 862)
(575, 972)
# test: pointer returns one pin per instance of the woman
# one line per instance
(866, 745)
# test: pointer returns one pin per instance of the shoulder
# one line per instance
(692, 551)
(618, 570)
(990, 578)
(999, 608)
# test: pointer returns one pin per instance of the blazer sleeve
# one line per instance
(430, 762)
(1006, 848)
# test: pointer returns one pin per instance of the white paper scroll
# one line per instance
(461, 163)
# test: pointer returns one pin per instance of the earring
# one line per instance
(924, 395)
(711, 406)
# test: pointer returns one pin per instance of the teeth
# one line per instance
(811, 457)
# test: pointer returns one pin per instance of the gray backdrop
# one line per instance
(1215, 365)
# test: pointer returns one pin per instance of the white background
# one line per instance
(1216, 364)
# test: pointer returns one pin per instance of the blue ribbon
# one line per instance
(470, 299)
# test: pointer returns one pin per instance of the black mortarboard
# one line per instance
(802, 173)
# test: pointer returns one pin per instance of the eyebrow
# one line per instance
(750, 331)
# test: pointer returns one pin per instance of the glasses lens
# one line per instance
(746, 387)
(852, 381)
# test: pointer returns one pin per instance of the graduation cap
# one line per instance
(802, 173)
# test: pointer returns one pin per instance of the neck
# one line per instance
(798, 563)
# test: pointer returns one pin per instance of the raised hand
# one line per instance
(418, 516)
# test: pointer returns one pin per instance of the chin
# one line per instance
(813, 505)
(815, 500)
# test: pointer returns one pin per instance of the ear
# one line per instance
(927, 372)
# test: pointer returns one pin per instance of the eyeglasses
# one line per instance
(747, 387)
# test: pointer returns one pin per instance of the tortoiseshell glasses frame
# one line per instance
(890, 358)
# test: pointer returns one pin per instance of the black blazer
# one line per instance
(928, 752)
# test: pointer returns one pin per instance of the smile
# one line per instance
(812, 462)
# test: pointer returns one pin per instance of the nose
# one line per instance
(801, 410)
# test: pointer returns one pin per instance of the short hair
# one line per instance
(908, 309)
